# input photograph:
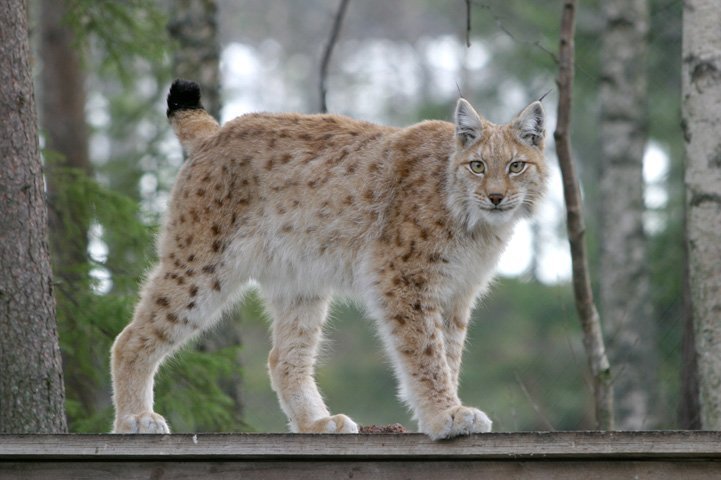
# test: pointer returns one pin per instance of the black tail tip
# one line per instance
(183, 95)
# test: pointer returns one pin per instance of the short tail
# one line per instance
(191, 123)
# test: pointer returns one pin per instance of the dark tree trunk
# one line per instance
(31, 383)
(689, 411)
(62, 113)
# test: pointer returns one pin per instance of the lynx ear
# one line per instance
(468, 123)
(530, 124)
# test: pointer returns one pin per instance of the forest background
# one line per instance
(395, 63)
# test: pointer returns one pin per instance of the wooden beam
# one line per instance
(542, 455)
(556, 445)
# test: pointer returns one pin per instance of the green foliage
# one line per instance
(526, 344)
(197, 375)
(85, 342)
(125, 31)
(127, 44)
(91, 313)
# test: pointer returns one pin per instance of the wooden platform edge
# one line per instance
(650, 445)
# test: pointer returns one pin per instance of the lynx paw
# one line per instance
(457, 421)
(335, 424)
(146, 422)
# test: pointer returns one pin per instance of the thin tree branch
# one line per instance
(534, 404)
(502, 27)
(590, 319)
(468, 23)
(337, 22)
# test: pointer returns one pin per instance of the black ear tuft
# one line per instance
(183, 95)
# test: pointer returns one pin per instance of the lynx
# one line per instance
(409, 221)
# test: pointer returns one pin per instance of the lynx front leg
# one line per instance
(297, 325)
(455, 328)
(428, 380)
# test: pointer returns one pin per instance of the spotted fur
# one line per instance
(309, 206)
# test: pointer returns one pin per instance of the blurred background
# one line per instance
(103, 70)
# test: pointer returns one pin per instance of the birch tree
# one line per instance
(624, 287)
(701, 110)
(31, 383)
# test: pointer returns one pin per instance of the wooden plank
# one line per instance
(278, 447)
(357, 470)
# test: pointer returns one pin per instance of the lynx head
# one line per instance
(497, 173)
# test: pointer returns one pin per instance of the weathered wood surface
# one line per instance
(554, 455)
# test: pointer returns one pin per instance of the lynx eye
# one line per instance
(477, 167)
(517, 166)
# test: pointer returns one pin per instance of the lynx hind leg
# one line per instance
(174, 306)
(297, 332)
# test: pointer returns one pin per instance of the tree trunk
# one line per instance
(31, 384)
(194, 26)
(625, 289)
(701, 109)
(689, 410)
(62, 113)
(583, 294)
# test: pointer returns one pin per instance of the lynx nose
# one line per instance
(495, 198)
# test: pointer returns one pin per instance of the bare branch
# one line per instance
(534, 404)
(590, 320)
(502, 27)
(468, 23)
(553, 56)
(337, 22)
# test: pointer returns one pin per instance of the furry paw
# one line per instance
(146, 422)
(335, 424)
(457, 421)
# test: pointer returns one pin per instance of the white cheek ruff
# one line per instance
(498, 217)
